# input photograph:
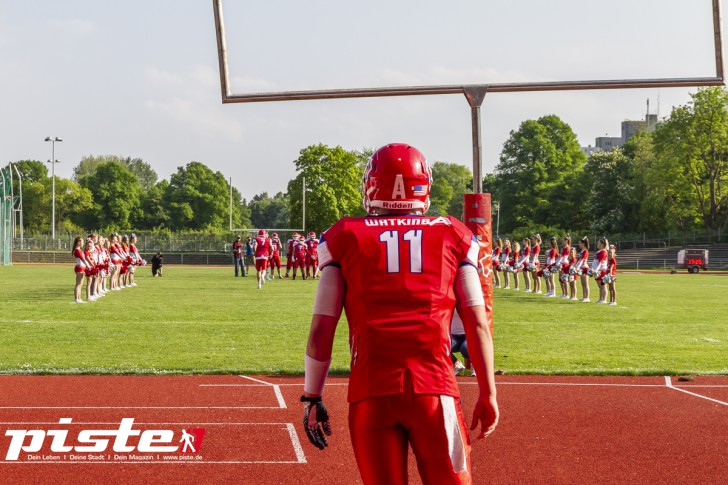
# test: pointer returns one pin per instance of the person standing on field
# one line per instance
(399, 275)
(238, 255)
(261, 246)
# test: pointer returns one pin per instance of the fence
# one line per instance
(175, 243)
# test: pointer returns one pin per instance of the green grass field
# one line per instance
(203, 320)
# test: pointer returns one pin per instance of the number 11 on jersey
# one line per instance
(414, 238)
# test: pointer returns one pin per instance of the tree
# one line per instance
(333, 180)
(694, 141)
(270, 212)
(614, 199)
(143, 171)
(116, 198)
(537, 178)
(449, 182)
(198, 198)
(32, 171)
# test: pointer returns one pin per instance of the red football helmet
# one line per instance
(275, 234)
(312, 235)
(397, 178)
(261, 232)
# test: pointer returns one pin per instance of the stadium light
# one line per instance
(53, 162)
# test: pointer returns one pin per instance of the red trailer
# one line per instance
(693, 259)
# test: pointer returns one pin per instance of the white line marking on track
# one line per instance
(668, 383)
(139, 407)
(276, 390)
(296, 443)
(336, 384)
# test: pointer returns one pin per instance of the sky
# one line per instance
(140, 78)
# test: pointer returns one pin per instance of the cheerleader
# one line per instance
(515, 264)
(80, 269)
(90, 270)
(535, 250)
(583, 268)
(611, 276)
(496, 261)
(564, 266)
(106, 271)
(126, 261)
(573, 273)
(549, 272)
(97, 264)
(504, 265)
(524, 263)
(115, 251)
(136, 259)
(599, 268)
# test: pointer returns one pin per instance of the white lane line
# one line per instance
(668, 383)
(276, 390)
(300, 455)
(139, 407)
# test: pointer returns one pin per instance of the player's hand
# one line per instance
(316, 421)
(485, 412)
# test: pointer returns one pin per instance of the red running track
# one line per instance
(553, 430)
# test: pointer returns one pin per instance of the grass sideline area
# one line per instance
(203, 320)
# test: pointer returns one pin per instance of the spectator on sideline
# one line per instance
(402, 388)
(249, 254)
(157, 260)
(238, 255)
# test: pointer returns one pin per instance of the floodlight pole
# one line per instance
(53, 162)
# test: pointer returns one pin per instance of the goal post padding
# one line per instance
(478, 220)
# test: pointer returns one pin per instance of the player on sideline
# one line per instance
(312, 255)
(261, 246)
(400, 275)
(275, 255)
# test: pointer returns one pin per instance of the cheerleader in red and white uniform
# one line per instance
(497, 250)
(599, 268)
(98, 262)
(126, 262)
(535, 264)
(583, 267)
(515, 264)
(524, 263)
(550, 271)
(116, 260)
(80, 268)
(505, 258)
(106, 267)
(573, 273)
(564, 265)
(91, 270)
(611, 276)
(136, 259)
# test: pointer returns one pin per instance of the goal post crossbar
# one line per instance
(229, 97)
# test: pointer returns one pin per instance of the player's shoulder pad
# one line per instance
(469, 240)
(328, 242)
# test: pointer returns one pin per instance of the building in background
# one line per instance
(629, 128)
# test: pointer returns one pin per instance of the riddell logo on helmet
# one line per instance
(397, 205)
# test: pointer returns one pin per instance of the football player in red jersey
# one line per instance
(399, 275)
(312, 255)
(300, 254)
(261, 246)
(275, 254)
(289, 253)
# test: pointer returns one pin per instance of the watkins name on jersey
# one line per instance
(405, 221)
